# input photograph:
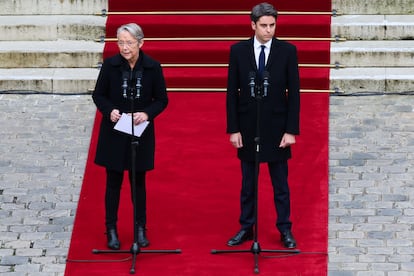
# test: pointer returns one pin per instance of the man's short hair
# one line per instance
(262, 9)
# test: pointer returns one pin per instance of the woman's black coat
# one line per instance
(279, 109)
(114, 148)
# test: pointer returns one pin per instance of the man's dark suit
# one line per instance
(279, 115)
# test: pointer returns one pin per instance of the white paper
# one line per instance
(124, 125)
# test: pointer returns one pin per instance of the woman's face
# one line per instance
(129, 46)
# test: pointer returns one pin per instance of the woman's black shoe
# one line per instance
(142, 238)
(113, 241)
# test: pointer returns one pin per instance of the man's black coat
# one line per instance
(279, 109)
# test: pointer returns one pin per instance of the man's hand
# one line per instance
(236, 140)
(287, 140)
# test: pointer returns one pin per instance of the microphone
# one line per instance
(265, 82)
(125, 83)
(138, 85)
(252, 76)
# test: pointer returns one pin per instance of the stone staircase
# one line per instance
(49, 46)
(378, 53)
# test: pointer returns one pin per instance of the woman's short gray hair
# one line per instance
(134, 29)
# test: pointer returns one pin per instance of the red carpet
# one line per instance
(193, 193)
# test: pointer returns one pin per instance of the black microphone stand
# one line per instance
(259, 94)
(135, 248)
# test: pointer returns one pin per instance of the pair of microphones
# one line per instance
(252, 83)
(138, 84)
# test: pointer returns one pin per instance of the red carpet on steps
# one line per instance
(193, 193)
(218, 25)
(216, 5)
(188, 52)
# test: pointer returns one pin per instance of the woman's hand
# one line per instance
(140, 117)
(115, 115)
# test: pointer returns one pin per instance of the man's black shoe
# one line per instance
(113, 241)
(240, 237)
(287, 239)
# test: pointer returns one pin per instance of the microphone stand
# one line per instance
(255, 249)
(135, 248)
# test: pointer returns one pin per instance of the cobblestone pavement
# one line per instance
(371, 186)
(44, 145)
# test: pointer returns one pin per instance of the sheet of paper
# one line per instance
(124, 125)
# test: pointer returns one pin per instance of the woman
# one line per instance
(113, 98)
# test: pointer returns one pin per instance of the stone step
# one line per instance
(73, 53)
(389, 53)
(81, 80)
(51, 80)
(43, 54)
(90, 27)
(352, 80)
(374, 6)
(373, 27)
(32, 7)
(51, 27)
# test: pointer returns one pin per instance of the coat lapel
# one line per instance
(273, 53)
(250, 54)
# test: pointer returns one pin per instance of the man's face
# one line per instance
(264, 28)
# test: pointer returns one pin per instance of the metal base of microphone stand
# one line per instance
(134, 251)
(255, 248)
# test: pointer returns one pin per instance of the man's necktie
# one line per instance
(262, 61)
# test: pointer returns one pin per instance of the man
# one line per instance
(279, 117)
